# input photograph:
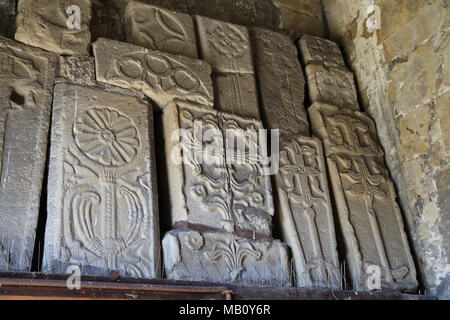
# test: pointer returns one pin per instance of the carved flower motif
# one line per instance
(228, 41)
(195, 240)
(106, 136)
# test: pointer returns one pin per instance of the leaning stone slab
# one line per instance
(315, 50)
(333, 86)
(159, 29)
(102, 204)
(161, 76)
(216, 186)
(305, 213)
(77, 69)
(365, 197)
(280, 82)
(45, 24)
(221, 257)
(26, 86)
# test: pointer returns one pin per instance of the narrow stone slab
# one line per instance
(221, 257)
(102, 204)
(161, 76)
(305, 213)
(77, 69)
(365, 197)
(159, 29)
(26, 86)
(281, 83)
(44, 24)
(215, 186)
(315, 50)
(333, 86)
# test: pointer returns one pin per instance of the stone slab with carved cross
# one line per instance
(281, 83)
(51, 25)
(162, 77)
(217, 171)
(365, 197)
(222, 257)
(102, 203)
(315, 50)
(160, 29)
(305, 213)
(26, 86)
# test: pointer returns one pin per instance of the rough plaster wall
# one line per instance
(403, 76)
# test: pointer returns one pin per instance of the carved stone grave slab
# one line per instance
(77, 69)
(315, 50)
(281, 83)
(102, 205)
(26, 86)
(161, 76)
(216, 186)
(305, 213)
(159, 29)
(44, 24)
(365, 197)
(221, 257)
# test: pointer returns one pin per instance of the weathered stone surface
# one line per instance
(305, 213)
(281, 83)
(7, 18)
(216, 186)
(26, 86)
(160, 29)
(44, 24)
(161, 76)
(221, 257)
(365, 197)
(333, 86)
(102, 205)
(77, 69)
(315, 50)
(107, 21)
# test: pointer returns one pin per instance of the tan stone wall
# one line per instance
(402, 72)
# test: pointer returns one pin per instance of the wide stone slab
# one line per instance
(161, 76)
(315, 50)
(26, 86)
(159, 29)
(365, 198)
(221, 257)
(45, 24)
(281, 83)
(102, 203)
(305, 213)
(213, 183)
(332, 86)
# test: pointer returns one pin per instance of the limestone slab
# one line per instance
(161, 76)
(44, 24)
(221, 257)
(281, 83)
(305, 213)
(77, 69)
(26, 86)
(332, 86)
(102, 204)
(217, 185)
(365, 197)
(315, 50)
(159, 29)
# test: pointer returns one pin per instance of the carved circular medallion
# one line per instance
(106, 136)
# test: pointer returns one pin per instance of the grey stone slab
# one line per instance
(26, 86)
(102, 203)
(281, 83)
(332, 86)
(365, 198)
(44, 24)
(7, 18)
(221, 257)
(216, 185)
(156, 28)
(77, 69)
(161, 76)
(107, 21)
(305, 213)
(315, 50)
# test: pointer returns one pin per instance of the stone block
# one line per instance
(315, 50)
(45, 24)
(77, 69)
(102, 204)
(161, 76)
(7, 18)
(26, 86)
(159, 29)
